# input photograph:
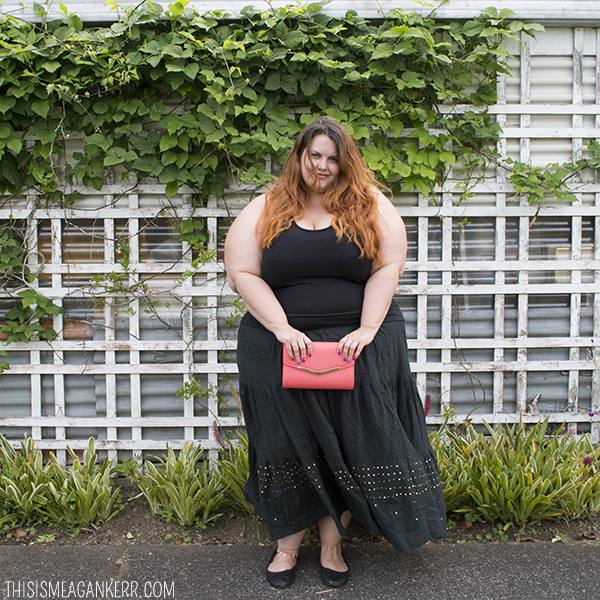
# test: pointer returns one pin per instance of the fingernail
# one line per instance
(310, 353)
(303, 360)
(354, 358)
(344, 358)
(339, 352)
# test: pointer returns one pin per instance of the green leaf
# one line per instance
(384, 50)
(191, 70)
(76, 23)
(289, 84)
(168, 158)
(41, 108)
(281, 30)
(447, 157)
(402, 169)
(42, 132)
(310, 85)
(51, 66)
(177, 8)
(28, 297)
(295, 38)
(171, 189)
(15, 144)
(167, 142)
(273, 82)
(6, 103)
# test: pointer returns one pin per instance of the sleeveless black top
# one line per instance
(318, 281)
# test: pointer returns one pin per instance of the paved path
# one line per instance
(526, 571)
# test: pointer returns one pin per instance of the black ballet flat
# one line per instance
(281, 579)
(334, 578)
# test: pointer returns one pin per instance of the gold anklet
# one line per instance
(292, 554)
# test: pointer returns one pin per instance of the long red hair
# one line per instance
(352, 199)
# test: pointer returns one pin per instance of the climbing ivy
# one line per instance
(23, 319)
(200, 100)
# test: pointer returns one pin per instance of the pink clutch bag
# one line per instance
(324, 370)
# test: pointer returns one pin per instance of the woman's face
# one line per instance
(319, 161)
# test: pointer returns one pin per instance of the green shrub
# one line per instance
(448, 447)
(23, 482)
(233, 466)
(82, 494)
(516, 474)
(181, 491)
(32, 491)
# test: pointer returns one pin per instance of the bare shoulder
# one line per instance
(244, 224)
(242, 248)
(252, 210)
(389, 217)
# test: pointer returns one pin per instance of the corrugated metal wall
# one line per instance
(502, 299)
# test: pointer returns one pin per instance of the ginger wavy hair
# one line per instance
(351, 199)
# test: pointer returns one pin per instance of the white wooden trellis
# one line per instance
(435, 282)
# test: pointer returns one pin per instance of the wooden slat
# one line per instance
(109, 329)
(422, 279)
(459, 211)
(595, 353)
(110, 369)
(135, 383)
(188, 331)
(446, 314)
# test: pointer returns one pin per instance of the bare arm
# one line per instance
(243, 256)
(382, 283)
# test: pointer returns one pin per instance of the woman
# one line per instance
(317, 258)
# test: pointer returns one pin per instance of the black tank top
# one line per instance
(318, 280)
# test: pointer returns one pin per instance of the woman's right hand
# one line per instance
(297, 344)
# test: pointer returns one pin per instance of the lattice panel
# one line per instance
(501, 299)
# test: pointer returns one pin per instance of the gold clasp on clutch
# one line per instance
(319, 372)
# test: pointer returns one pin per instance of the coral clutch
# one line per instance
(324, 370)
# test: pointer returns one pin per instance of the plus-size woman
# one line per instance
(317, 258)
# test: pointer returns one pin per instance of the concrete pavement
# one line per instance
(481, 571)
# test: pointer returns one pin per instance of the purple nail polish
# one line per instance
(310, 353)
(303, 360)
(339, 352)
(344, 358)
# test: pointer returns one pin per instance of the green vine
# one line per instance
(194, 100)
(538, 184)
(23, 319)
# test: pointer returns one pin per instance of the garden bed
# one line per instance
(136, 524)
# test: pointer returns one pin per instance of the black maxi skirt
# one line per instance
(315, 453)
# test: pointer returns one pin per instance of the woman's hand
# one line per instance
(351, 345)
(298, 345)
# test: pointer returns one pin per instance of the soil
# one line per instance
(135, 524)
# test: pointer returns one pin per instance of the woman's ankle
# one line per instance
(333, 558)
(283, 560)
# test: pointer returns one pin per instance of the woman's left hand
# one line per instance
(351, 345)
